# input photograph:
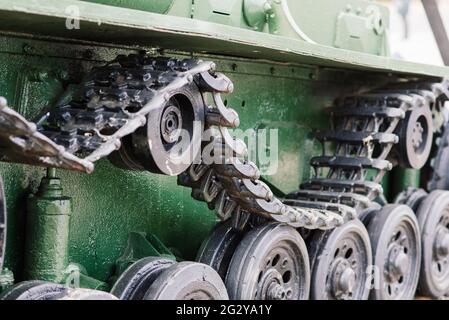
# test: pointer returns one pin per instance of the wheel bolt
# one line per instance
(276, 292)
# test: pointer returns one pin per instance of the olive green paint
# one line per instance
(140, 246)
(116, 25)
(75, 276)
(6, 279)
(111, 204)
(47, 235)
(160, 6)
(404, 178)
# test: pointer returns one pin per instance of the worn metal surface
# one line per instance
(270, 263)
(100, 223)
(433, 219)
(396, 243)
(187, 281)
(48, 226)
(289, 94)
(84, 124)
(367, 131)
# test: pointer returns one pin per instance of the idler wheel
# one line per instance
(415, 137)
(171, 138)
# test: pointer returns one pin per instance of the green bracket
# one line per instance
(75, 276)
(141, 245)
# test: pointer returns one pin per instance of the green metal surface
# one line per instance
(75, 276)
(116, 25)
(6, 279)
(403, 178)
(48, 226)
(161, 6)
(111, 203)
(360, 25)
(280, 83)
(141, 246)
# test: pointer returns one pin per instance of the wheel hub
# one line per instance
(273, 286)
(171, 124)
(417, 135)
(442, 242)
(343, 279)
(398, 262)
(441, 247)
(276, 292)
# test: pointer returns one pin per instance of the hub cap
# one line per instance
(397, 264)
(345, 267)
(275, 281)
(171, 124)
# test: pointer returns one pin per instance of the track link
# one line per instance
(362, 144)
(117, 98)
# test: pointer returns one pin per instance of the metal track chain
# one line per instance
(119, 96)
(115, 103)
(232, 186)
(363, 135)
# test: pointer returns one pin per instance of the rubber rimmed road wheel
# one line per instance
(396, 242)
(271, 263)
(433, 218)
(187, 281)
(33, 290)
(219, 247)
(135, 281)
(339, 260)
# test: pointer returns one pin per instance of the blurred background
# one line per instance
(411, 36)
